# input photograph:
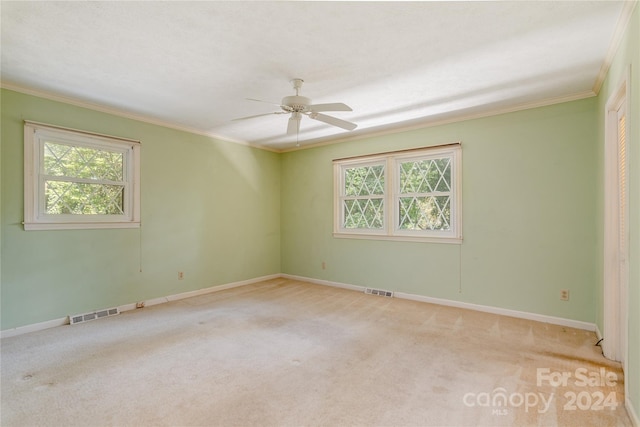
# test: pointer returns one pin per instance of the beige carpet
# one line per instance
(287, 353)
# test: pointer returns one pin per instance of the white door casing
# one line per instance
(616, 227)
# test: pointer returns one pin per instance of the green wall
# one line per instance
(528, 215)
(209, 208)
(628, 54)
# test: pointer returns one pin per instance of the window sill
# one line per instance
(421, 239)
(28, 226)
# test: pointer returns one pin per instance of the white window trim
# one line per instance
(36, 219)
(390, 229)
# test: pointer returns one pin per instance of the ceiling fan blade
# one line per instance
(258, 115)
(260, 100)
(294, 124)
(333, 121)
(336, 106)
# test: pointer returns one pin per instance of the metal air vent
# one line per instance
(85, 317)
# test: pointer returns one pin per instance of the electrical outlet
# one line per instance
(180, 275)
(564, 294)
(324, 265)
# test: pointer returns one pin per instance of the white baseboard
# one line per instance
(324, 282)
(440, 301)
(635, 420)
(34, 327)
(132, 306)
(502, 311)
(598, 333)
(189, 294)
(451, 303)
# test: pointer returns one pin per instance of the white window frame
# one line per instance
(391, 162)
(35, 217)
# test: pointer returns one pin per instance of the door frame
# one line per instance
(615, 318)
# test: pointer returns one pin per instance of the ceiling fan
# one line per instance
(298, 106)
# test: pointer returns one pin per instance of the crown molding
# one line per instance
(375, 132)
(121, 113)
(616, 39)
(426, 122)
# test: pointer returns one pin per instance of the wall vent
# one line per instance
(85, 317)
(380, 292)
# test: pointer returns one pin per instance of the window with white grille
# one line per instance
(76, 179)
(409, 195)
(362, 200)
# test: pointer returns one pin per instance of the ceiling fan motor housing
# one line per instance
(296, 103)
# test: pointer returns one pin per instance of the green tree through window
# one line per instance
(364, 191)
(425, 195)
(83, 181)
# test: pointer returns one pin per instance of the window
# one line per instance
(363, 198)
(76, 179)
(406, 195)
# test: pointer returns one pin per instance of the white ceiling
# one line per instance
(193, 64)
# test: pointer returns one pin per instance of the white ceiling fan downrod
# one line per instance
(296, 103)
